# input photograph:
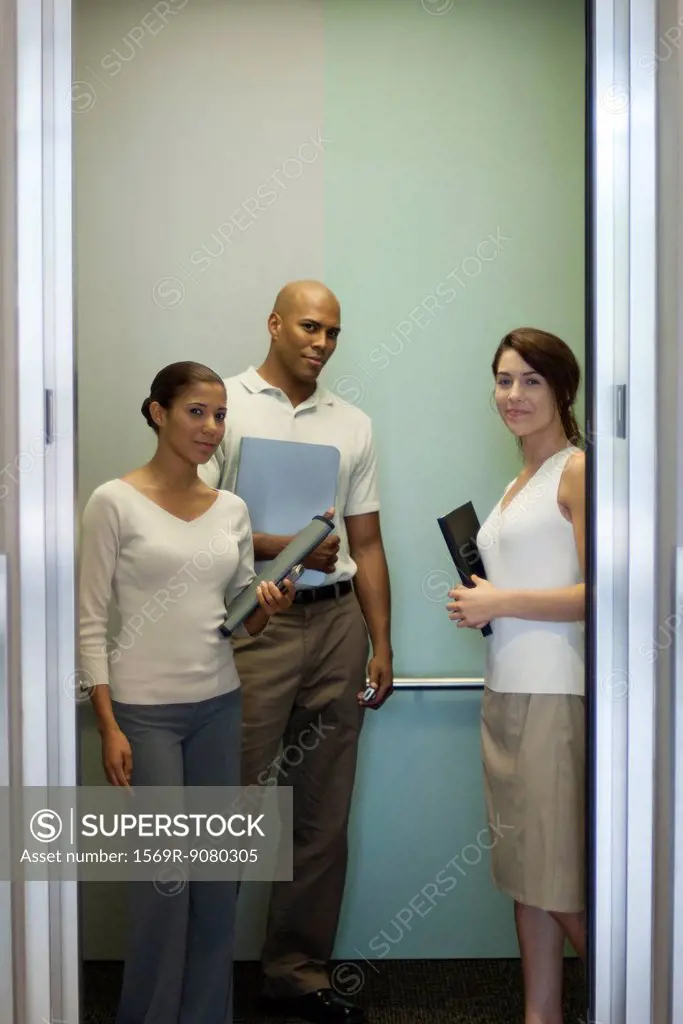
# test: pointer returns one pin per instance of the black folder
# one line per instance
(460, 528)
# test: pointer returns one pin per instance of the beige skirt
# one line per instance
(534, 749)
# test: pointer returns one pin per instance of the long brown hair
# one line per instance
(554, 360)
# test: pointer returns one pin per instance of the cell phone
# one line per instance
(370, 694)
(293, 575)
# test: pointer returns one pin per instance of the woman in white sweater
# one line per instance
(171, 551)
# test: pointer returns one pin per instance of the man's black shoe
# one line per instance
(321, 1007)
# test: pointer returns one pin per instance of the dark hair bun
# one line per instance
(144, 409)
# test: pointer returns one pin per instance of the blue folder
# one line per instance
(284, 484)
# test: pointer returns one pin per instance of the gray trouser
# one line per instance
(179, 960)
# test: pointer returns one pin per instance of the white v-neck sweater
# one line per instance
(170, 580)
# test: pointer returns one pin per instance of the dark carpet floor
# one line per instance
(391, 991)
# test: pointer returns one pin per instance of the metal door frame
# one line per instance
(38, 520)
(622, 207)
(623, 477)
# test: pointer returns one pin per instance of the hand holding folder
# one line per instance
(277, 571)
(460, 528)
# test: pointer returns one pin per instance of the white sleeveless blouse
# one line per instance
(530, 545)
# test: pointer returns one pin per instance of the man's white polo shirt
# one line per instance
(257, 409)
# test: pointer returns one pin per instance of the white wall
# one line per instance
(199, 178)
(199, 191)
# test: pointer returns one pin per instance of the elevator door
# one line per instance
(39, 962)
(39, 954)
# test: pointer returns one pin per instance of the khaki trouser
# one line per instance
(301, 723)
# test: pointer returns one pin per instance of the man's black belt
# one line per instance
(310, 594)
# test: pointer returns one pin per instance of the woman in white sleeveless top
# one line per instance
(533, 732)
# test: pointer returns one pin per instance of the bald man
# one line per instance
(303, 678)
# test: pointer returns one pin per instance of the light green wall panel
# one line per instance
(447, 131)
